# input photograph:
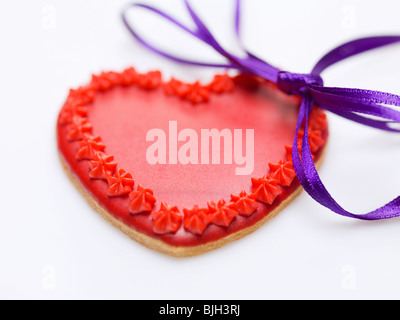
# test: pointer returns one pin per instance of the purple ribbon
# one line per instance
(368, 107)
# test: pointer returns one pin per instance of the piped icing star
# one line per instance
(221, 83)
(318, 120)
(244, 204)
(265, 189)
(72, 109)
(176, 87)
(141, 200)
(197, 93)
(283, 172)
(196, 219)
(129, 77)
(315, 139)
(150, 80)
(121, 183)
(102, 166)
(101, 83)
(106, 80)
(114, 78)
(221, 214)
(84, 94)
(78, 128)
(166, 220)
(89, 147)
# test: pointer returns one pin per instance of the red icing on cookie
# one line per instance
(82, 95)
(129, 77)
(196, 220)
(102, 82)
(244, 204)
(89, 147)
(78, 128)
(221, 83)
(194, 93)
(318, 119)
(316, 140)
(120, 184)
(71, 110)
(176, 87)
(266, 189)
(288, 150)
(102, 166)
(166, 220)
(221, 214)
(282, 172)
(142, 200)
(150, 80)
(197, 93)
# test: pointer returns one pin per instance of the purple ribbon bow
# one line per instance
(354, 104)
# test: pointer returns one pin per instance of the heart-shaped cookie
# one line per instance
(183, 168)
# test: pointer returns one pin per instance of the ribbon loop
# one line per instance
(200, 33)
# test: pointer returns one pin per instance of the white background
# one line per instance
(52, 244)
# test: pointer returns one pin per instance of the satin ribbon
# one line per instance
(368, 107)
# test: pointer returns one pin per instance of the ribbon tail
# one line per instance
(311, 182)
